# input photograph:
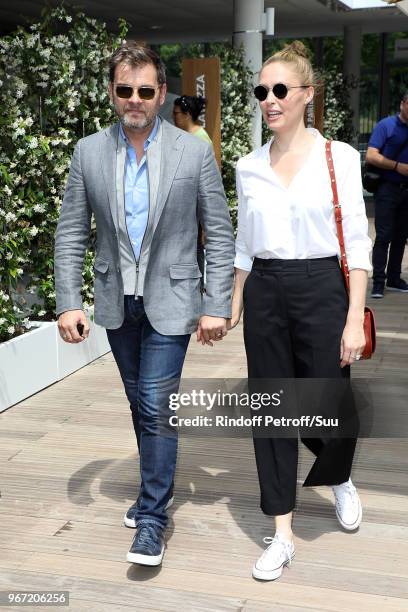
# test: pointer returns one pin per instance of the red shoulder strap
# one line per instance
(337, 214)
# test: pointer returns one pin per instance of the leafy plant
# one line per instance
(338, 115)
(53, 91)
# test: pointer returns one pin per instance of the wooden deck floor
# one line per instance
(69, 471)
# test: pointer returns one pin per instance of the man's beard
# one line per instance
(141, 123)
(137, 124)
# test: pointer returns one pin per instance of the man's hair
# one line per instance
(405, 97)
(136, 55)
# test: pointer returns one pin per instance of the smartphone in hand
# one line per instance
(80, 329)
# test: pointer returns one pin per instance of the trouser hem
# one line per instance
(277, 511)
(147, 521)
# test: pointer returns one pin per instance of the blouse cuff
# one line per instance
(243, 261)
(359, 260)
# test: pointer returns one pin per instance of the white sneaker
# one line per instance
(348, 505)
(279, 553)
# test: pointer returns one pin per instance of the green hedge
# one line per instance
(53, 91)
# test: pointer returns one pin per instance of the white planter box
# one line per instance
(72, 357)
(40, 358)
(28, 363)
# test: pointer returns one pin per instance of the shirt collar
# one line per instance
(319, 139)
(148, 140)
(400, 122)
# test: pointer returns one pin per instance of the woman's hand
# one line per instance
(352, 342)
(237, 298)
(234, 320)
(353, 339)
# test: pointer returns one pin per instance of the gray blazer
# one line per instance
(185, 188)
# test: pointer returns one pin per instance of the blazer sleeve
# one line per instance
(219, 246)
(71, 239)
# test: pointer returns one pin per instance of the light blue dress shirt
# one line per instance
(137, 191)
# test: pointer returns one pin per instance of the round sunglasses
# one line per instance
(144, 92)
(280, 91)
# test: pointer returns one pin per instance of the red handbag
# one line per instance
(369, 319)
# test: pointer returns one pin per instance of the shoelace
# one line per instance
(349, 489)
(286, 546)
(146, 535)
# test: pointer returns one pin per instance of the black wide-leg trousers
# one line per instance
(294, 316)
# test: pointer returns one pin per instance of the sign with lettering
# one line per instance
(201, 77)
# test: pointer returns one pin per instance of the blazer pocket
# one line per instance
(180, 271)
(101, 265)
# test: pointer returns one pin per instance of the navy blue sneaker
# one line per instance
(377, 291)
(148, 545)
(398, 285)
(129, 519)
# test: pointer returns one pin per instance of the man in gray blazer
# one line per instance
(148, 185)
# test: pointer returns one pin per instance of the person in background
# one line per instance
(388, 150)
(298, 319)
(186, 112)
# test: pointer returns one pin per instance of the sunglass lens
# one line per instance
(280, 91)
(260, 93)
(146, 93)
(124, 91)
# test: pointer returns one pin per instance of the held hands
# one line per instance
(68, 323)
(352, 343)
(211, 329)
(215, 328)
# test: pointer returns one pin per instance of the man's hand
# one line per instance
(402, 169)
(67, 326)
(211, 329)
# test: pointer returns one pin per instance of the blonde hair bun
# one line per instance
(295, 48)
(297, 55)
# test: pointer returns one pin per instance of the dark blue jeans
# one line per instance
(391, 228)
(150, 365)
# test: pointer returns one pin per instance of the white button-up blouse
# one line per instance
(298, 222)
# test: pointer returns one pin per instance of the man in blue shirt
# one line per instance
(388, 150)
(137, 189)
(148, 186)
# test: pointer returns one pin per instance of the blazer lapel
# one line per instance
(171, 152)
(154, 170)
(163, 157)
(112, 169)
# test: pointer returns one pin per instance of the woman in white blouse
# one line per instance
(298, 320)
